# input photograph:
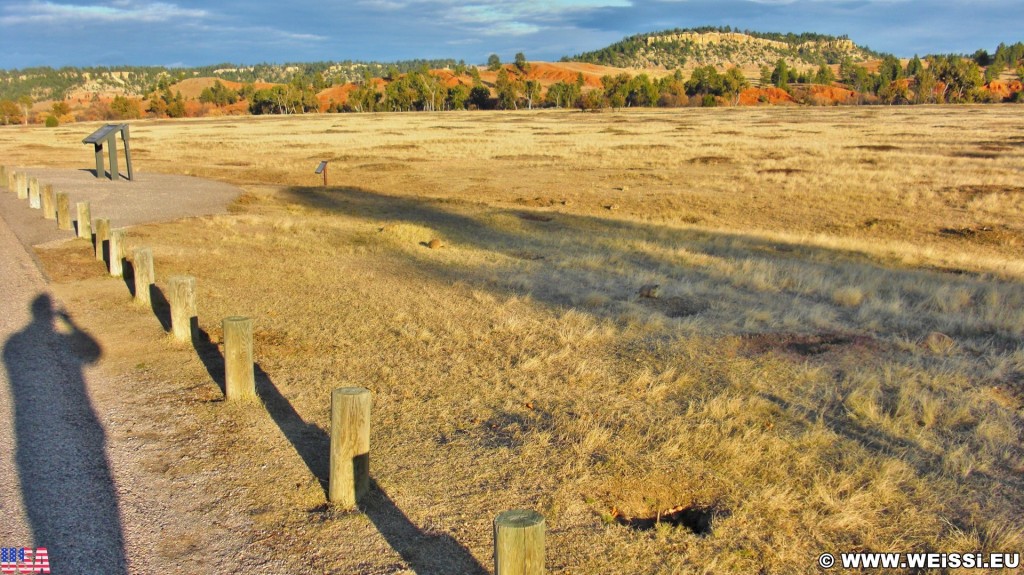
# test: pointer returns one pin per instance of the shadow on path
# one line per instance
(425, 553)
(66, 482)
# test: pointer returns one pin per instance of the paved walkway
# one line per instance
(57, 488)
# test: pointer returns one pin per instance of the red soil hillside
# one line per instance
(755, 96)
(193, 87)
(1004, 89)
(552, 72)
(831, 95)
(339, 94)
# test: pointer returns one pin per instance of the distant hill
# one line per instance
(45, 83)
(724, 48)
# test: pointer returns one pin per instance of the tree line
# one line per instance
(932, 79)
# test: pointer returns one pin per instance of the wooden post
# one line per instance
(102, 238)
(183, 306)
(33, 193)
(350, 446)
(519, 543)
(21, 185)
(239, 377)
(84, 220)
(48, 200)
(3, 174)
(63, 212)
(12, 179)
(117, 253)
(142, 263)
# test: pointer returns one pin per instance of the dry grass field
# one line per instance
(833, 360)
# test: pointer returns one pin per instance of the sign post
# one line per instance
(322, 169)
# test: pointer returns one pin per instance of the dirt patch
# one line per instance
(398, 147)
(988, 235)
(710, 160)
(880, 224)
(534, 217)
(674, 306)
(526, 157)
(805, 345)
(540, 202)
(644, 147)
(960, 196)
(877, 147)
(384, 166)
(976, 155)
(783, 171)
(699, 520)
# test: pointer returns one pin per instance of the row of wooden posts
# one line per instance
(518, 534)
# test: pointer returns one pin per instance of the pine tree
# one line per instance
(521, 63)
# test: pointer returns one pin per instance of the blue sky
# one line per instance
(190, 33)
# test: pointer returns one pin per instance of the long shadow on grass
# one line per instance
(886, 445)
(564, 255)
(425, 553)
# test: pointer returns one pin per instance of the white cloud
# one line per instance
(119, 11)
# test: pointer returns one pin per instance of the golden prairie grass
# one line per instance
(789, 382)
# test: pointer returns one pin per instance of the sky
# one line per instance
(192, 33)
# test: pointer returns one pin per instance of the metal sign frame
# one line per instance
(108, 134)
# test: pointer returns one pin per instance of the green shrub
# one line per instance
(52, 122)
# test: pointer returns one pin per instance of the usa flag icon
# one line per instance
(24, 560)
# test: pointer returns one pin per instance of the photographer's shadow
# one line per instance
(66, 482)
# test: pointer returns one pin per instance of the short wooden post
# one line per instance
(21, 185)
(239, 376)
(117, 253)
(102, 238)
(3, 174)
(142, 264)
(350, 446)
(12, 179)
(84, 220)
(33, 193)
(519, 543)
(49, 203)
(63, 212)
(183, 306)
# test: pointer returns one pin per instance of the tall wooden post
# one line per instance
(350, 446)
(21, 185)
(239, 376)
(33, 193)
(63, 212)
(183, 306)
(142, 264)
(519, 543)
(84, 220)
(117, 253)
(49, 202)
